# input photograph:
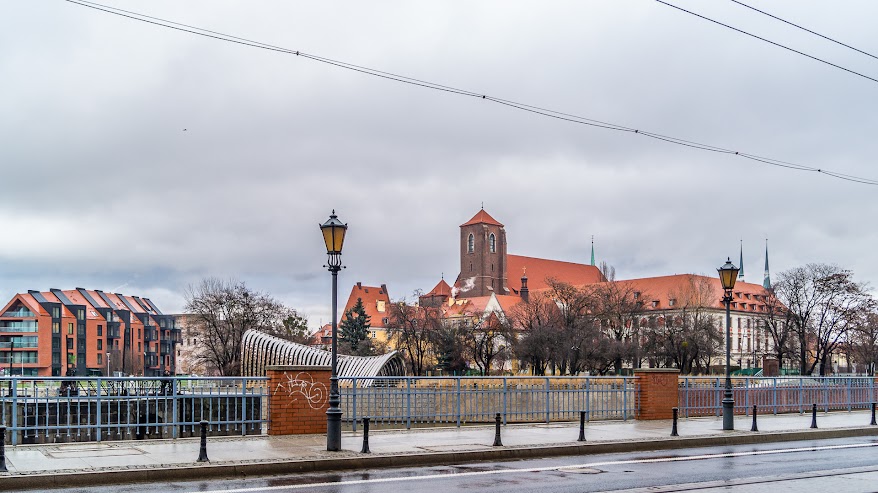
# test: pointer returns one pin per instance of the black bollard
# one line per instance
(873, 423)
(2, 448)
(497, 442)
(365, 436)
(674, 425)
(581, 426)
(754, 428)
(813, 415)
(202, 454)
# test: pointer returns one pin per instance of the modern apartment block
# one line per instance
(85, 332)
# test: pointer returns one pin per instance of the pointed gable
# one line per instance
(376, 302)
(482, 217)
(441, 289)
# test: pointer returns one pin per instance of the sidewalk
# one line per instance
(81, 464)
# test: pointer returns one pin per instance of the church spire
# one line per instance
(592, 250)
(741, 263)
(766, 281)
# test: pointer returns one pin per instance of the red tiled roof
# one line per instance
(482, 217)
(746, 296)
(441, 289)
(371, 296)
(539, 270)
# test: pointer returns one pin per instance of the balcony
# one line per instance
(21, 313)
(113, 332)
(19, 326)
(151, 359)
(150, 334)
(166, 347)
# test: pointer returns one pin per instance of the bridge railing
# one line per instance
(428, 401)
(702, 396)
(79, 409)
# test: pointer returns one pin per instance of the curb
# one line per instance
(167, 473)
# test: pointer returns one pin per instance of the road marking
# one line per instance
(543, 469)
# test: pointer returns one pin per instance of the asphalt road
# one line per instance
(847, 465)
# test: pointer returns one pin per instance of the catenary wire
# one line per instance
(768, 41)
(450, 89)
(805, 29)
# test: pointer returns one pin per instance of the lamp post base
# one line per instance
(333, 430)
(728, 413)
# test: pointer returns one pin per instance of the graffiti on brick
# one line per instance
(302, 385)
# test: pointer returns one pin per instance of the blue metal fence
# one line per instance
(417, 401)
(702, 396)
(73, 409)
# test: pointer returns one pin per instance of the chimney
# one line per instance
(525, 293)
(359, 285)
(384, 288)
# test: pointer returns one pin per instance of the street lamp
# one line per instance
(728, 273)
(333, 235)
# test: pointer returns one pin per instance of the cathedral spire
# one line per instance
(741, 263)
(592, 250)
(766, 281)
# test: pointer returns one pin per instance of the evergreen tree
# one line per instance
(355, 325)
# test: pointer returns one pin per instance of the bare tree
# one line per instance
(617, 306)
(825, 303)
(220, 312)
(536, 323)
(863, 342)
(412, 328)
(778, 322)
(486, 340)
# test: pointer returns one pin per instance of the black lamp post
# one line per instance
(333, 235)
(728, 273)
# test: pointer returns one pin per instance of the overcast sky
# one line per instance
(139, 159)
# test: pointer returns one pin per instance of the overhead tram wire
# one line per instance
(768, 41)
(805, 29)
(463, 92)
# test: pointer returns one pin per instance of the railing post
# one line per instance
(505, 393)
(457, 379)
(2, 448)
(408, 403)
(497, 442)
(849, 394)
(814, 415)
(175, 391)
(98, 416)
(354, 402)
(202, 453)
(588, 394)
(547, 400)
(14, 421)
(774, 384)
(624, 400)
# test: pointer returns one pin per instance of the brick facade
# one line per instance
(657, 392)
(299, 398)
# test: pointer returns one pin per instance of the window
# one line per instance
(100, 358)
(492, 242)
(69, 343)
(81, 330)
(471, 244)
(56, 312)
(655, 303)
(100, 330)
(100, 345)
(80, 314)
(70, 328)
(381, 307)
(672, 302)
(56, 359)
(139, 347)
(56, 327)
(637, 295)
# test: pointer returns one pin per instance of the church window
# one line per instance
(471, 244)
(492, 241)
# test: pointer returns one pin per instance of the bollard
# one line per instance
(202, 454)
(497, 442)
(754, 428)
(581, 426)
(873, 423)
(365, 436)
(813, 415)
(2, 448)
(674, 425)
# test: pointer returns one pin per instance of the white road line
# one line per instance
(542, 469)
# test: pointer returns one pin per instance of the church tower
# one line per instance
(482, 257)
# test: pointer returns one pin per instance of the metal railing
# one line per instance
(79, 409)
(425, 401)
(702, 396)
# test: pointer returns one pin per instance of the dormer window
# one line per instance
(492, 243)
(471, 244)
(637, 295)
(655, 303)
(672, 302)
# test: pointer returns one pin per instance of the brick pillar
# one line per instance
(299, 398)
(657, 392)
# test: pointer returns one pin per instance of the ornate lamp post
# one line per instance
(333, 235)
(728, 273)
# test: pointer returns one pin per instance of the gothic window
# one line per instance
(471, 244)
(492, 241)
